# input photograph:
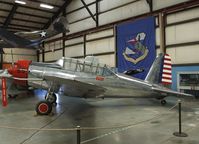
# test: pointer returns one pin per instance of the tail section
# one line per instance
(61, 25)
(160, 71)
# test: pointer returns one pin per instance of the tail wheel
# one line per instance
(51, 97)
(12, 96)
(163, 102)
(43, 108)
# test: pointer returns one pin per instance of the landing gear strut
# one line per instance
(163, 102)
(51, 97)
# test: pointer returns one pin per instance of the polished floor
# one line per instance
(117, 121)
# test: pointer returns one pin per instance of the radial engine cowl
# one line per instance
(20, 70)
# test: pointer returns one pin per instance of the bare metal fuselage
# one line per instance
(87, 84)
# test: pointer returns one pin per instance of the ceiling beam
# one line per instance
(23, 13)
(40, 1)
(150, 3)
(29, 21)
(17, 28)
(61, 9)
(28, 7)
(26, 26)
(89, 11)
(10, 16)
(24, 20)
(33, 15)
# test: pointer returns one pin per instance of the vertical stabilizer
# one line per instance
(160, 71)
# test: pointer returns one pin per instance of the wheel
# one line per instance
(52, 98)
(163, 102)
(12, 96)
(43, 108)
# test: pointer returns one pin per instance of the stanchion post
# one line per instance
(78, 135)
(180, 133)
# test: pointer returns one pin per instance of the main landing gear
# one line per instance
(45, 107)
(163, 102)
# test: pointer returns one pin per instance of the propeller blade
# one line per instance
(4, 93)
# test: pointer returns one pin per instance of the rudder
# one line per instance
(160, 71)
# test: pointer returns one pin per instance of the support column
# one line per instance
(84, 41)
(97, 13)
(1, 62)
(43, 51)
(162, 32)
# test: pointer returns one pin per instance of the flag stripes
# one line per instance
(166, 73)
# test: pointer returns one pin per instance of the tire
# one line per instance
(12, 96)
(163, 102)
(52, 98)
(43, 108)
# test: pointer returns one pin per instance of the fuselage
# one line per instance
(87, 79)
(114, 85)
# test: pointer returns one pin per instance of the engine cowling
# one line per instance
(20, 70)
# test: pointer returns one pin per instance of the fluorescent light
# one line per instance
(20, 2)
(46, 6)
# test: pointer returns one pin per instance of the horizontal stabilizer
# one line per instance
(170, 92)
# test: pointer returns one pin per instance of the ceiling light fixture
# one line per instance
(20, 2)
(46, 6)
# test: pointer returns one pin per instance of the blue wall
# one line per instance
(176, 69)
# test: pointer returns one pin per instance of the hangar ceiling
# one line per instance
(18, 17)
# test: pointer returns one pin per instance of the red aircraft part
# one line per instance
(20, 70)
(4, 98)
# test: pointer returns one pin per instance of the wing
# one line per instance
(74, 87)
(38, 35)
(12, 39)
(166, 91)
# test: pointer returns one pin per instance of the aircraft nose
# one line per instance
(20, 70)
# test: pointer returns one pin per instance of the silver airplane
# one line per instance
(87, 79)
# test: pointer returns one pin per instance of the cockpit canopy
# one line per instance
(88, 65)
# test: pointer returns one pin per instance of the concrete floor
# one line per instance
(149, 122)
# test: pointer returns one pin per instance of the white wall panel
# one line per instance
(82, 25)
(124, 12)
(157, 34)
(40, 57)
(20, 51)
(184, 15)
(158, 4)
(51, 56)
(100, 46)
(99, 34)
(18, 54)
(53, 46)
(108, 4)
(182, 33)
(80, 14)
(184, 55)
(75, 4)
(77, 50)
(16, 57)
(107, 59)
(73, 41)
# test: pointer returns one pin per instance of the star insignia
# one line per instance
(43, 34)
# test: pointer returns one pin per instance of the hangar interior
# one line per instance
(92, 25)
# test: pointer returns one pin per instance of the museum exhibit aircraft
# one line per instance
(32, 39)
(88, 79)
